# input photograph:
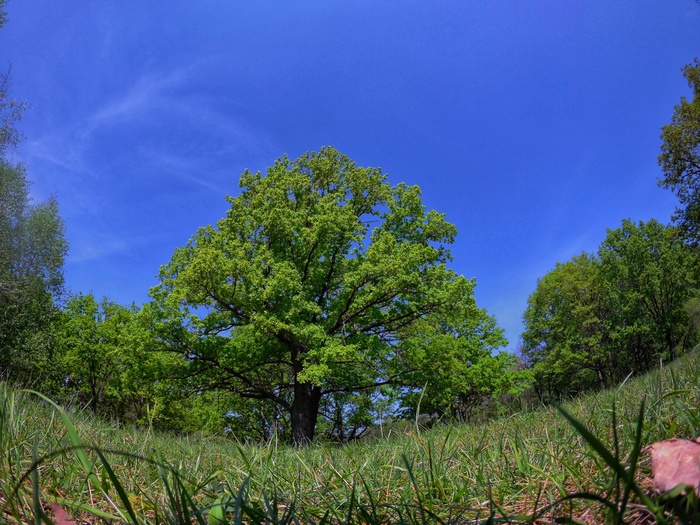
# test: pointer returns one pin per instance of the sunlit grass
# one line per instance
(520, 468)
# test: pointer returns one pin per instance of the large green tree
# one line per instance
(32, 250)
(650, 274)
(308, 287)
(680, 156)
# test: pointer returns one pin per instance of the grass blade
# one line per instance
(118, 487)
(88, 466)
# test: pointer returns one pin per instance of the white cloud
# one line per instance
(181, 167)
(82, 250)
(154, 108)
(147, 93)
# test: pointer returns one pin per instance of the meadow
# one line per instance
(537, 466)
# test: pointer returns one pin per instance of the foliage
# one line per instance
(308, 286)
(32, 250)
(565, 339)
(595, 319)
(680, 156)
(650, 276)
(11, 112)
(455, 372)
(103, 362)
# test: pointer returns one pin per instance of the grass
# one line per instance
(578, 465)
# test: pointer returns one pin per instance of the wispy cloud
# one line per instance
(180, 167)
(82, 250)
(161, 107)
(68, 144)
(162, 129)
(147, 94)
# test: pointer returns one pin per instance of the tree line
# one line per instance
(597, 318)
(325, 302)
(634, 304)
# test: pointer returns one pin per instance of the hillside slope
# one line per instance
(516, 466)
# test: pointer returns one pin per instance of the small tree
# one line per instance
(456, 372)
(103, 361)
(307, 287)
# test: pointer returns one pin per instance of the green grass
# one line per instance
(526, 468)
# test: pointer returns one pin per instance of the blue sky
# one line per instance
(532, 124)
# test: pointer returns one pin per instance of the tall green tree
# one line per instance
(650, 274)
(32, 251)
(305, 289)
(565, 341)
(680, 156)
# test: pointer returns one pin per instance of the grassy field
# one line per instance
(535, 467)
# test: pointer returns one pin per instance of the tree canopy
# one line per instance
(312, 285)
(565, 336)
(594, 319)
(32, 250)
(680, 156)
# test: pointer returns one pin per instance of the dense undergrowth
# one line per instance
(534, 467)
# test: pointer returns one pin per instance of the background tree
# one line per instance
(304, 290)
(347, 416)
(32, 250)
(650, 275)
(456, 372)
(11, 110)
(593, 320)
(565, 341)
(103, 358)
(680, 156)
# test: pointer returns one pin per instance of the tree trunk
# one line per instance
(602, 383)
(670, 345)
(307, 399)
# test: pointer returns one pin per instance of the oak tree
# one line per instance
(308, 287)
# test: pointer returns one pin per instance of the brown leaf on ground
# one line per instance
(673, 462)
(61, 516)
